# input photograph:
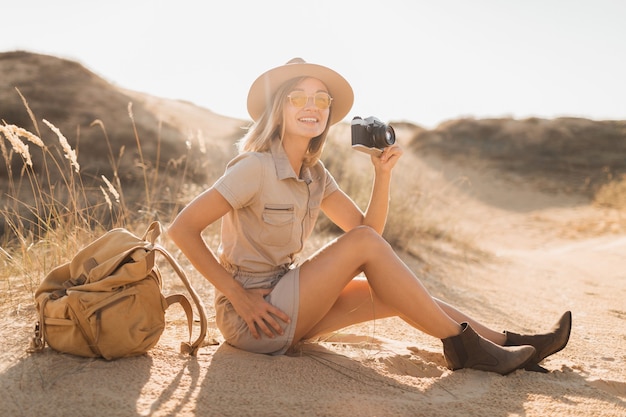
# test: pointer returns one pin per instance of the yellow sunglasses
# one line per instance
(299, 99)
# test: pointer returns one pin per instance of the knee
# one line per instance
(366, 237)
(364, 232)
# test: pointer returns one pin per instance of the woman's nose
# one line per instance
(310, 101)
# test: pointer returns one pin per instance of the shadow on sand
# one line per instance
(318, 380)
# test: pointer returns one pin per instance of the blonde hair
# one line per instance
(270, 125)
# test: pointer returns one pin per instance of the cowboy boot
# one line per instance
(545, 344)
(470, 350)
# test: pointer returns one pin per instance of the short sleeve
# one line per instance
(241, 181)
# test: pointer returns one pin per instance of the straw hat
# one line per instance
(263, 88)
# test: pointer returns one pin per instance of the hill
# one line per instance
(571, 155)
(95, 117)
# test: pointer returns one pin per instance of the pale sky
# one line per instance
(415, 60)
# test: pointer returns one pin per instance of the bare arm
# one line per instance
(346, 214)
(186, 232)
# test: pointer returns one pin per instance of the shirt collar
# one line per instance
(284, 169)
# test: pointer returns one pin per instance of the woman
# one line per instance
(269, 199)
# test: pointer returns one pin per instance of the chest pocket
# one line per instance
(278, 224)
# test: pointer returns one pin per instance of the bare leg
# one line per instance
(496, 337)
(326, 275)
(358, 303)
(327, 289)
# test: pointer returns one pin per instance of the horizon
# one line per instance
(422, 63)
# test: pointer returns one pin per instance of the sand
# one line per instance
(540, 255)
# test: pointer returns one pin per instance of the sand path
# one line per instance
(535, 268)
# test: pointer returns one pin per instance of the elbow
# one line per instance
(184, 233)
(379, 228)
(175, 232)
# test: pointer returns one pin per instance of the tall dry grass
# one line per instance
(612, 194)
(49, 211)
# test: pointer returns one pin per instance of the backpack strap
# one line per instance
(191, 348)
(38, 341)
(186, 305)
(153, 232)
(151, 235)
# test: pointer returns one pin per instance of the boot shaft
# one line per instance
(470, 350)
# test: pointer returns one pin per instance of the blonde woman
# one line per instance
(268, 200)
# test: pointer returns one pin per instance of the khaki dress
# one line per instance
(273, 214)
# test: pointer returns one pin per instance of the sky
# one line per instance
(412, 60)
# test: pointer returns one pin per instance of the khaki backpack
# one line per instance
(107, 301)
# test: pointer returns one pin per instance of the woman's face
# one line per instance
(308, 121)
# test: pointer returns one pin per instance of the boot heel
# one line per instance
(545, 344)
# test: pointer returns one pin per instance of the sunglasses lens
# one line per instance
(298, 99)
(322, 100)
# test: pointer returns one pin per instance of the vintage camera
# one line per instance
(370, 135)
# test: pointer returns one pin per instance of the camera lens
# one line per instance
(383, 136)
(390, 136)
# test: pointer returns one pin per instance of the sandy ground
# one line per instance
(538, 262)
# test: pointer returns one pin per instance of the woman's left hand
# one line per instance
(388, 159)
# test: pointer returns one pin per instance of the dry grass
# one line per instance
(49, 212)
(612, 194)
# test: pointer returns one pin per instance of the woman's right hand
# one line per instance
(258, 314)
